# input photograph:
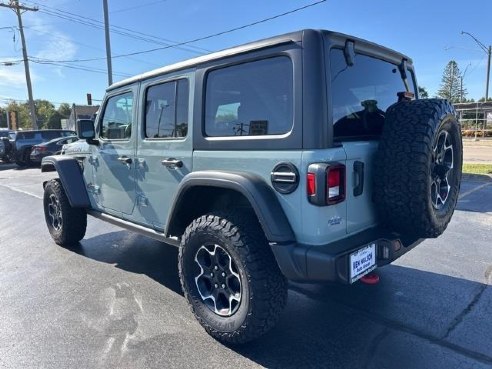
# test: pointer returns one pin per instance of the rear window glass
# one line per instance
(362, 93)
(250, 99)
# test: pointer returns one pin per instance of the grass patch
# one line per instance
(477, 168)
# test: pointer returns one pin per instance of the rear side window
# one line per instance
(49, 135)
(25, 135)
(118, 117)
(250, 99)
(362, 93)
(166, 113)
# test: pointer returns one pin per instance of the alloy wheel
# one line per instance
(218, 281)
(442, 169)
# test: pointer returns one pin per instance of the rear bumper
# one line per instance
(36, 158)
(330, 263)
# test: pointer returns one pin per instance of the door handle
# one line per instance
(125, 160)
(172, 163)
(359, 172)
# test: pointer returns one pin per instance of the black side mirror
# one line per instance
(86, 131)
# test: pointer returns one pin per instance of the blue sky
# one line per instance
(427, 31)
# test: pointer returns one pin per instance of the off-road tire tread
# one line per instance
(402, 167)
(74, 219)
(268, 287)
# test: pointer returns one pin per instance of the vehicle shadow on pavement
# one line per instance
(476, 195)
(134, 253)
(7, 166)
(411, 319)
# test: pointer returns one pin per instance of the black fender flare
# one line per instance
(71, 178)
(254, 188)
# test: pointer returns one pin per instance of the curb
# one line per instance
(476, 177)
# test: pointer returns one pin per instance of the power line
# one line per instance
(114, 29)
(75, 66)
(137, 6)
(13, 99)
(14, 5)
(63, 14)
(43, 32)
(204, 37)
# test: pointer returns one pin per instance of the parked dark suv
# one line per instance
(25, 140)
(5, 145)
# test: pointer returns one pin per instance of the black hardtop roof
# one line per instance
(296, 36)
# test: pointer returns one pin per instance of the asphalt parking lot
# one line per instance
(115, 301)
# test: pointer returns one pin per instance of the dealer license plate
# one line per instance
(362, 262)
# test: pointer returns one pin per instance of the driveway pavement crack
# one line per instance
(397, 326)
(373, 348)
(461, 316)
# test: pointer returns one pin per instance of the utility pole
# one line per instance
(488, 51)
(14, 5)
(461, 82)
(108, 44)
(488, 75)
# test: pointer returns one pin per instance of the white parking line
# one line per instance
(21, 191)
(473, 190)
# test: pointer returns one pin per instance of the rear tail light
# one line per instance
(335, 184)
(39, 148)
(325, 183)
(311, 184)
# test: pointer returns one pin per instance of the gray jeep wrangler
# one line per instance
(306, 156)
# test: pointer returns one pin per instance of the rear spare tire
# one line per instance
(418, 167)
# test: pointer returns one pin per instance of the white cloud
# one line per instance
(12, 78)
(52, 44)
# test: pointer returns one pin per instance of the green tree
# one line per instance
(23, 114)
(3, 117)
(54, 122)
(483, 99)
(423, 94)
(44, 111)
(65, 110)
(46, 114)
(451, 84)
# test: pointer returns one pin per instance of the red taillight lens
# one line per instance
(335, 184)
(39, 148)
(334, 178)
(325, 183)
(311, 184)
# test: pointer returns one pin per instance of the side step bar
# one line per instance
(149, 232)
